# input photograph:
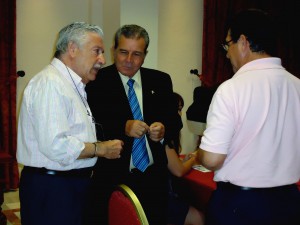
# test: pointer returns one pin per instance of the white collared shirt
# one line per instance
(53, 121)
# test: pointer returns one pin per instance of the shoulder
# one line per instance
(107, 72)
(104, 75)
(108, 68)
(155, 76)
(153, 71)
(47, 84)
(48, 77)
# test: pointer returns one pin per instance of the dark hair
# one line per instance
(178, 99)
(175, 143)
(258, 27)
(134, 32)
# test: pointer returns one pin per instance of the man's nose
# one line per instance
(101, 59)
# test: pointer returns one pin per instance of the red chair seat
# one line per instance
(125, 208)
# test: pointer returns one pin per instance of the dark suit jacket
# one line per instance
(109, 105)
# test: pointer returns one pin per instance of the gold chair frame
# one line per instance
(135, 201)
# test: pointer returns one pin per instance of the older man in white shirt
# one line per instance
(57, 141)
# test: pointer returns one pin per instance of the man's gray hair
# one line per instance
(74, 32)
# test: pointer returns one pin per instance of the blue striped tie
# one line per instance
(140, 156)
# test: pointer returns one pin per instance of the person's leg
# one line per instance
(151, 189)
(96, 210)
(224, 208)
(48, 200)
(177, 210)
(284, 206)
(194, 216)
(260, 207)
(31, 194)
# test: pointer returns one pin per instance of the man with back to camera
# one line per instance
(159, 119)
(57, 141)
(252, 135)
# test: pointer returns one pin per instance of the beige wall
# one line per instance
(175, 28)
(37, 25)
(180, 50)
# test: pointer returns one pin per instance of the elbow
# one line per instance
(211, 166)
(179, 174)
(212, 161)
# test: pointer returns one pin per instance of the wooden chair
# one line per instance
(5, 159)
(125, 208)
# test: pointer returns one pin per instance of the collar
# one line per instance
(68, 73)
(137, 79)
(260, 64)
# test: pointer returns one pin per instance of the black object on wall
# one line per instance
(21, 73)
(202, 96)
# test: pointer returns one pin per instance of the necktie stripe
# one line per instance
(140, 156)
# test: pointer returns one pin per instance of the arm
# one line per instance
(177, 167)
(53, 121)
(209, 160)
(107, 149)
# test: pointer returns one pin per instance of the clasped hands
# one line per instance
(134, 128)
(138, 128)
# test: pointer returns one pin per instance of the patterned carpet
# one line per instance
(13, 216)
(11, 207)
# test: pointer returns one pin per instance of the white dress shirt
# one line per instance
(54, 121)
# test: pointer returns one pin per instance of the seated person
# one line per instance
(179, 211)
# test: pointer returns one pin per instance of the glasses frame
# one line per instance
(226, 45)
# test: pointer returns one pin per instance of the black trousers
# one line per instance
(233, 205)
(52, 199)
(150, 187)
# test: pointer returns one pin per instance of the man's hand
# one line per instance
(156, 131)
(136, 128)
(109, 149)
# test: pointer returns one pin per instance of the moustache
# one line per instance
(98, 66)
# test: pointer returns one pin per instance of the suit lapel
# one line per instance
(119, 93)
(148, 91)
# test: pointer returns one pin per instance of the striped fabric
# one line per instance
(140, 156)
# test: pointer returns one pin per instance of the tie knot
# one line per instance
(130, 83)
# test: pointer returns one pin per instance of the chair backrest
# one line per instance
(125, 208)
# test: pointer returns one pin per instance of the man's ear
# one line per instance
(72, 48)
(243, 46)
(244, 41)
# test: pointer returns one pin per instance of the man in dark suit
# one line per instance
(108, 99)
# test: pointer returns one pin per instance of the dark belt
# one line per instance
(84, 172)
(230, 186)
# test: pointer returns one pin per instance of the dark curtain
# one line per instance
(9, 168)
(216, 67)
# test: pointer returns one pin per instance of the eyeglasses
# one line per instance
(226, 45)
